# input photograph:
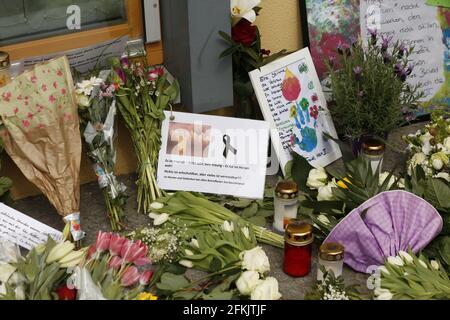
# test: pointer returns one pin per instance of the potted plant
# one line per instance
(370, 94)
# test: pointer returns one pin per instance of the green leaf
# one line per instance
(172, 282)
(250, 211)
(258, 220)
(300, 171)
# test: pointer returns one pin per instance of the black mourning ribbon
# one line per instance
(228, 147)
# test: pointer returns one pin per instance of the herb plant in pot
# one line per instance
(370, 94)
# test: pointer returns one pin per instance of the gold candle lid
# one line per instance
(4, 60)
(298, 233)
(286, 189)
(373, 146)
(331, 251)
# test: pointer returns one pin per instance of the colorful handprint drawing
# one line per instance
(305, 119)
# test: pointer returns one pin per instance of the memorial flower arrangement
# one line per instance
(114, 268)
(97, 109)
(5, 182)
(246, 52)
(430, 148)
(370, 93)
(196, 212)
(408, 276)
(142, 96)
(41, 274)
(235, 266)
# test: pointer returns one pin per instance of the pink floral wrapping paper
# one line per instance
(41, 134)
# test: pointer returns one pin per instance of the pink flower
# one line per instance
(116, 244)
(115, 262)
(16, 110)
(59, 73)
(142, 261)
(30, 116)
(19, 97)
(103, 240)
(145, 277)
(44, 87)
(41, 126)
(55, 85)
(51, 98)
(33, 79)
(130, 277)
(26, 123)
(133, 251)
(91, 251)
(63, 91)
(6, 96)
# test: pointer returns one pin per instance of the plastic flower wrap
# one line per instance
(430, 148)
(97, 108)
(41, 134)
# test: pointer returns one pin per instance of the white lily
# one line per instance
(243, 9)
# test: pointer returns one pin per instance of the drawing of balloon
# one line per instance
(290, 86)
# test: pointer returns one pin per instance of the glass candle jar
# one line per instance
(331, 257)
(373, 151)
(5, 75)
(297, 248)
(285, 204)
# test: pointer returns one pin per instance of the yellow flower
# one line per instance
(293, 112)
(146, 296)
(341, 183)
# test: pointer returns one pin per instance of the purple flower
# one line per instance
(410, 69)
(373, 34)
(125, 62)
(358, 72)
(401, 51)
(341, 48)
(397, 68)
(121, 75)
(387, 58)
(353, 41)
(385, 43)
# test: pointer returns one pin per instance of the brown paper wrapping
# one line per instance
(41, 134)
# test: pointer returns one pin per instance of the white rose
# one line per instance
(82, 100)
(186, 263)
(228, 226)
(426, 145)
(324, 219)
(317, 178)
(326, 192)
(247, 282)
(437, 164)
(382, 178)
(417, 159)
(266, 290)
(383, 294)
(434, 264)
(255, 260)
(406, 256)
(443, 175)
(447, 143)
(396, 261)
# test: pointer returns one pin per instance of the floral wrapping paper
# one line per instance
(41, 133)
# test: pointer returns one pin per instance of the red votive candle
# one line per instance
(297, 248)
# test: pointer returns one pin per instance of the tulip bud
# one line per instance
(145, 277)
(130, 277)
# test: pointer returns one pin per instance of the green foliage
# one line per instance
(368, 95)
(5, 183)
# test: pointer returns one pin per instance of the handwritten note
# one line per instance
(23, 230)
(292, 101)
(415, 24)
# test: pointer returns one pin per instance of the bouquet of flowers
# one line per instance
(407, 276)
(197, 212)
(97, 109)
(5, 183)
(370, 93)
(245, 49)
(111, 269)
(235, 266)
(430, 148)
(143, 94)
(41, 274)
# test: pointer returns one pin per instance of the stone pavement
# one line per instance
(94, 218)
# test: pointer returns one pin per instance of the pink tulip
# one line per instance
(103, 239)
(142, 261)
(115, 262)
(145, 277)
(130, 277)
(91, 251)
(116, 244)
